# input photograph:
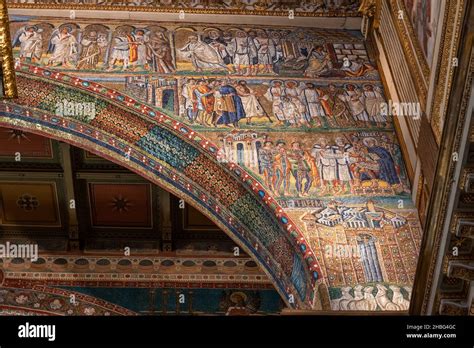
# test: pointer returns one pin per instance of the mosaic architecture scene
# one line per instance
(250, 167)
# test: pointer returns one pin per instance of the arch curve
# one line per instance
(173, 156)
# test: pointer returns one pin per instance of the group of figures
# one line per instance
(96, 47)
(333, 168)
(264, 52)
(230, 51)
(213, 102)
(218, 102)
(373, 298)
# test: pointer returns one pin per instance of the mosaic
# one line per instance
(239, 208)
(302, 111)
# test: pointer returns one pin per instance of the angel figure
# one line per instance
(63, 46)
(31, 43)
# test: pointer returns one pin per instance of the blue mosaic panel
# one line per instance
(298, 277)
(169, 148)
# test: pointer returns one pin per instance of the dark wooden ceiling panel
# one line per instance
(29, 204)
(29, 145)
(121, 205)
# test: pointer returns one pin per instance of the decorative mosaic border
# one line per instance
(123, 278)
(82, 301)
(148, 269)
(139, 160)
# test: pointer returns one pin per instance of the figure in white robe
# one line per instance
(250, 102)
(312, 97)
(326, 163)
(266, 52)
(31, 43)
(244, 53)
(187, 93)
(355, 100)
(290, 112)
(202, 55)
(275, 94)
(342, 152)
(120, 50)
(63, 46)
(276, 42)
(295, 95)
(373, 104)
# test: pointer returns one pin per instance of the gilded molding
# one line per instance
(451, 33)
(413, 40)
(396, 121)
(368, 8)
(453, 307)
(153, 8)
(466, 183)
(371, 9)
(6, 55)
(419, 189)
(459, 220)
(441, 192)
(413, 53)
(462, 270)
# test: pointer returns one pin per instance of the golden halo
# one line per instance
(234, 297)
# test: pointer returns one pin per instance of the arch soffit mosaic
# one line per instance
(176, 158)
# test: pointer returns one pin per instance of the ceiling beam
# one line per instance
(348, 23)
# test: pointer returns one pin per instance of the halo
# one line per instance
(280, 81)
(134, 31)
(208, 31)
(31, 27)
(234, 297)
(274, 34)
(366, 140)
(67, 27)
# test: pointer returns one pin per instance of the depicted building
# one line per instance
(242, 147)
(378, 235)
(369, 216)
